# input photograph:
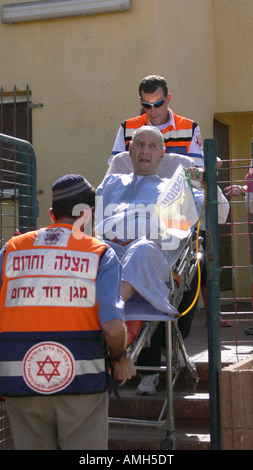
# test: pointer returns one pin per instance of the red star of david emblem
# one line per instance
(198, 140)
(48, 368)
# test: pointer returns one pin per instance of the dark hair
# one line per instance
(150, 84)
(65, 207)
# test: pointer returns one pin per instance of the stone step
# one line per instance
(187, 436)
(186, 405)
(190, 412)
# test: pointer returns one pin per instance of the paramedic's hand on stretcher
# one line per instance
(115, 336)
(124, 370)
(196, 176)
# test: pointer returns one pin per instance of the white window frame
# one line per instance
(30, 11)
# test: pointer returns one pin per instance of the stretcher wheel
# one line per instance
(168, 442)
(133, 329)
(191, 383)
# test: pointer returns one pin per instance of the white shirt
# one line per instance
(195, 149)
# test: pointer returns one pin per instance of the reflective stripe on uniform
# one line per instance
(15, 368)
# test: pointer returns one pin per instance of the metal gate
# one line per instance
(18, 213)
(18, 202)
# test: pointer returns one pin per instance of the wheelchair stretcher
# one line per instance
(182, 270)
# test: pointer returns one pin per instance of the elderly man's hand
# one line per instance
(196, 176)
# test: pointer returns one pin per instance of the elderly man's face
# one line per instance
(146, 152)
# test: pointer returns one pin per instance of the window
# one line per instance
(16, 113)
(15, 121)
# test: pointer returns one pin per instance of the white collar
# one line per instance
(170, 122)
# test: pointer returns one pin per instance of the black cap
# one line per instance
(68, 186)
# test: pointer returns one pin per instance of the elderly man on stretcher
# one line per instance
(146, 218)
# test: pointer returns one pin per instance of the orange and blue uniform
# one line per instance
(56, 293)
(181, 135)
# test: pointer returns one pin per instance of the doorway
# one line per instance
(221, 134)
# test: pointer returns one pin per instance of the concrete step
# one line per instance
(186, 405)
(191, 415)
(186, 437)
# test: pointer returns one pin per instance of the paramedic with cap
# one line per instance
(60, 306)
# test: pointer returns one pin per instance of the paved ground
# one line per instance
(236, 345)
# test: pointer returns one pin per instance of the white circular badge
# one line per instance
(48, 367)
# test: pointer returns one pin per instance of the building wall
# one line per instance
(233, 44)
(86, 70)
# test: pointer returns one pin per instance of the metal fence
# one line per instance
(237, 304)
(18, 206)
(5, 431)
(18, 214)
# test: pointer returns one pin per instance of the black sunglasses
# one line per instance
(157, 104)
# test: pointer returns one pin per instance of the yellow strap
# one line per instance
(198, 263)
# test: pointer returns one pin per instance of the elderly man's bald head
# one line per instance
(146, 150)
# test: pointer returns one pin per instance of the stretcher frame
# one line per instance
(184, 268)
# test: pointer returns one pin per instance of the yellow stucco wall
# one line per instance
(86, 70)
(233, 45)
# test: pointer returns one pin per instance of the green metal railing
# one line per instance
(18, 213)
(18, 187)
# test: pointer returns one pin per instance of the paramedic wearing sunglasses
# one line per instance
(181, 135)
